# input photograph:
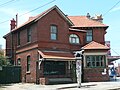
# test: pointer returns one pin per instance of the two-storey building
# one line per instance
(44, 46)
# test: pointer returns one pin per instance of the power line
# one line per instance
(30, 11)
(7, 2)
(38, 7)
(116, 52)
(3, 5)
(4, 21)
(111, 8)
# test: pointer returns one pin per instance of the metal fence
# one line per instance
(10, 74)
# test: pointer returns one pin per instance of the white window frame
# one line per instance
(89, 35)
(53, 32)
(74, 39)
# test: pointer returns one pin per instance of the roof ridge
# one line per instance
(88, 44)
(37, 17)
(77, 16)
(84, 21)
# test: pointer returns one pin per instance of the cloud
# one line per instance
(115, 9)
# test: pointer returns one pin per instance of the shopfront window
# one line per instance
(54, 68)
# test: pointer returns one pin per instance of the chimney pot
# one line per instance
(13, 24)
(88, 15)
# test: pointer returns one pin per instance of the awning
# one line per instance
(57, 55)
(112, 58)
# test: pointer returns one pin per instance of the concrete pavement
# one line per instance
(112, 85)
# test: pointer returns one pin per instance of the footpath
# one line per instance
(111, 85)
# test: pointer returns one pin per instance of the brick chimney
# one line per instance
(98, 18)
(13, 24)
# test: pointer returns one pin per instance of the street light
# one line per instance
(78, 57)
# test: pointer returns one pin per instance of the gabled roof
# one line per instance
(36, 18)
(94, 45)
(84, 21)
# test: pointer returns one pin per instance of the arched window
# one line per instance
(74, 39)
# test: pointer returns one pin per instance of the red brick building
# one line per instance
(44, 46)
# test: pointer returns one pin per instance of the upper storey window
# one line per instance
(53, 31)
(29, 35)
(89, 36)
(18, 38)
(74, 39)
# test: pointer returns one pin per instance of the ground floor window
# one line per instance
(54, 67)
(95, 61)
(18, 61)
(28, 63)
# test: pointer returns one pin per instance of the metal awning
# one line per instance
(57, 55)
(112, 58)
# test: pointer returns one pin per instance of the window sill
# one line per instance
(18, 46)
(28, 72)
(74, 43)
(28, 42)
(95, 67)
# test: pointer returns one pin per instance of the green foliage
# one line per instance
(3, 59)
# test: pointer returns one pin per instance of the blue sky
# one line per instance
(69, 7)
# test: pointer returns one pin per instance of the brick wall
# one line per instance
(8, 45)
(95, 74)
(82, 37)
(98, 33)
(28, 76)
(53, 18)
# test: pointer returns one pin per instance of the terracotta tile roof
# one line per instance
(95, 45)
(57, 55)
(39, 16)
(83, 21)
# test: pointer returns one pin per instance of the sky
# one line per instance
(27, 8)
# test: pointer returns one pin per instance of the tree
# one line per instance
(3, 59)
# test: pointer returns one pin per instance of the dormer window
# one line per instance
(74, 39)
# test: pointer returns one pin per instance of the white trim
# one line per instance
(79, 30)
(97, 53)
